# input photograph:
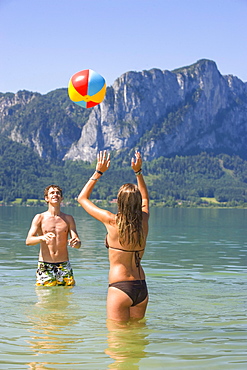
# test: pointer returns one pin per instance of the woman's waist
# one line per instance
(122, 273)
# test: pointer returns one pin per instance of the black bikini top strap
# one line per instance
(125, 250)
(137, 255)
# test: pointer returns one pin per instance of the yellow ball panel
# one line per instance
(73, 94)
(97, 98)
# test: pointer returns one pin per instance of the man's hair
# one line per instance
(52, 186)
(129, 216)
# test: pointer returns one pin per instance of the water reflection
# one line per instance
(51, 321)
(126, 344)
(41, 366)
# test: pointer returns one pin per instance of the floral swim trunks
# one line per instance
(50, 274)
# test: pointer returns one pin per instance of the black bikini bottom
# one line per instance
(135, 289)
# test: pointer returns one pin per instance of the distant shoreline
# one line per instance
(153, 203)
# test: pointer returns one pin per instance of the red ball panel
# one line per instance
(80, 81)
(91, 104)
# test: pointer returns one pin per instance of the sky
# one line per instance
(44, 42)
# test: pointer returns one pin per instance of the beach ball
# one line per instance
(87, 88)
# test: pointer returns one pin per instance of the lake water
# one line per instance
(195, 264)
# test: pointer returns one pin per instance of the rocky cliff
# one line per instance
(163, 113)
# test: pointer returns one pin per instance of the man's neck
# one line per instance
(54, 210)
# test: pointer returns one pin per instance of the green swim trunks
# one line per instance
(50, 274)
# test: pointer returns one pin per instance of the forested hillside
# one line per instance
(171, 181)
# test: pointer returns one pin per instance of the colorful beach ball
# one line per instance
(87, 88)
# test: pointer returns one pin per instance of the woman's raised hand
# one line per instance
(103, 161)
(136, 163)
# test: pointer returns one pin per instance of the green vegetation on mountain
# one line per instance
(219, 179)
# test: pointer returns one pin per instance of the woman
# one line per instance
(126, 239)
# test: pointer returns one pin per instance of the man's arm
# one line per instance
(74, 242)
(32, 237)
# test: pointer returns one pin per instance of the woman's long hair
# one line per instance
(129, 217)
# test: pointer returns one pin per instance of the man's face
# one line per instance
(54, 196)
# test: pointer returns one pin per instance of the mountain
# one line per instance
(182, 112)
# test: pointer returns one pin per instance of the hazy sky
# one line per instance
(44, 42)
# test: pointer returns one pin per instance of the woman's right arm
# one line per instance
(136, 165)
(103, 163)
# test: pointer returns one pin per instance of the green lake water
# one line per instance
(195, 264)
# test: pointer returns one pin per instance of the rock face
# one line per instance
(163, 113)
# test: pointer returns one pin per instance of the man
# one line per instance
(51, 229)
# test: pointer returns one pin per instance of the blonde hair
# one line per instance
(129, 216)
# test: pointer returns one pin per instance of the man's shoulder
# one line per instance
(39, 216)
(66, 216)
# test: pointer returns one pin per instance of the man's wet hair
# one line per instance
(52, 186)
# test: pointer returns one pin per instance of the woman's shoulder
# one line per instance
(111, 218)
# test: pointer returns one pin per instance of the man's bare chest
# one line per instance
(54, 224)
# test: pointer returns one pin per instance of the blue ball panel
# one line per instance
(81, 103)
(95, 82)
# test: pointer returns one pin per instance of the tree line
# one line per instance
(24, 175)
